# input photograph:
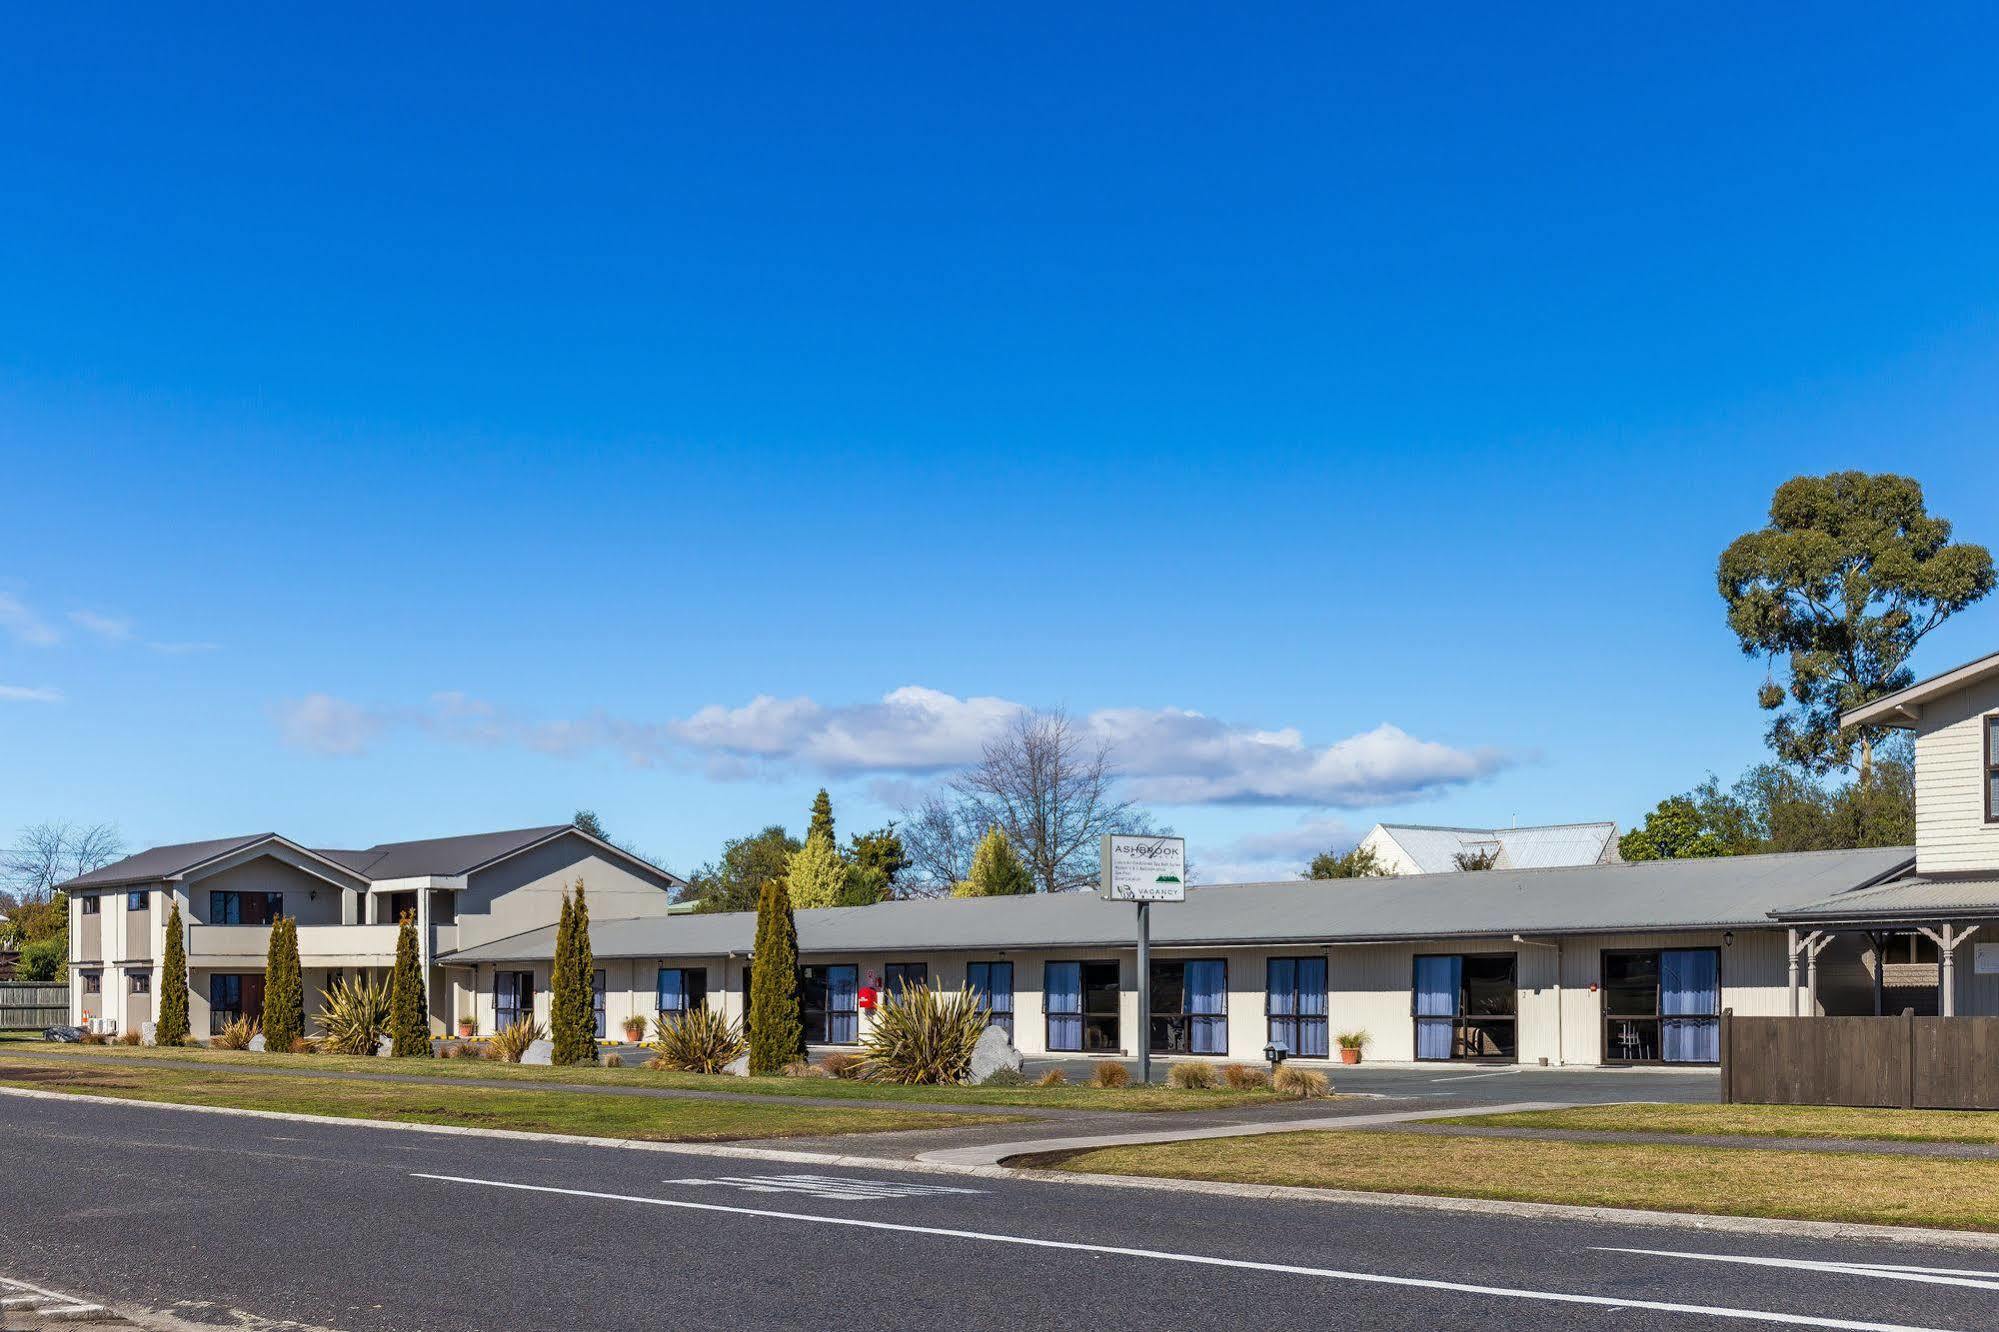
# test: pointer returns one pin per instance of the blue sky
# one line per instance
(425, 421)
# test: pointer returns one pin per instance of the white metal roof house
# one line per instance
(1418, 848)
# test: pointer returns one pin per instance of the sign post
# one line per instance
(1143, 870)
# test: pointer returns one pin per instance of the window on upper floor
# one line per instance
(1992, 769)
(136, 900)
(234, 908)
(90, 905)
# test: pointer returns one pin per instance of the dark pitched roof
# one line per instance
(443, 856)
(160, 861)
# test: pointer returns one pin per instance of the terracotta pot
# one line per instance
(465, 1029)
(635, 1035)
(1349, 1056)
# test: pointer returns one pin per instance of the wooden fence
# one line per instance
(1928, 1063)
(31, 1005)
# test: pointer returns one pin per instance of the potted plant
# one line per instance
(1350, 1046)
(635, 1030)
(467, 1028)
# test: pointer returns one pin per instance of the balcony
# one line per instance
(222, 947)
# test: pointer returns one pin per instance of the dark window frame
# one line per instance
(1463, 1024)
(1656, 1016)
(90, 904)
(500, 1024)
(1989, 727)
(138, 982)
(1294, 1017)
(1184, 1044)
(93, 982)
(894, 972)
(820, 1019)
(220, 900)
(995, 1015)
(138, 899)
(599, 984)
(1086, 1021)
(691, 997)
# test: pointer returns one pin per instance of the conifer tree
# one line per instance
(996, 870)
(284, 988)
(573, 1015)
(822, 818)
(558, 970)
(775, 1026)
(816, 877)
(409, 1026)
(171, 1029)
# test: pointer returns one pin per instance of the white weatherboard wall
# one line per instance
(1952, 835)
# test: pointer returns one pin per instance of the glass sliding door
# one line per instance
(1189, 1007)
(1294, 1005)
(830, 999)
(513, 998)
(1062, 1002)
(680, 989)
(232, 997)
(597, 1003)
(898, 976)
(1466, 1006)
(1662, 1006)
(993, 983)
(1101, 1004)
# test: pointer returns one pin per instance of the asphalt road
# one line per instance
(355, 1229)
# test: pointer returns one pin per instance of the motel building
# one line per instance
(1595, 964)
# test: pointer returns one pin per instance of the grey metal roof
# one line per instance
(1912, 898)
(159, 862)
(1735, 892)
(1546, 846)
(442, 856)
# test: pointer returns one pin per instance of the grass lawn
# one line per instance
(1820, 1186)
(1762, 1121)
(1063, 1098)
(534, 1109)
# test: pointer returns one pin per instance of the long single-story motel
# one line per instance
(1604, 963)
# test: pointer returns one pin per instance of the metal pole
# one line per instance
(1144, 993)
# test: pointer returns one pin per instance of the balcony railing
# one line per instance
(318, 945)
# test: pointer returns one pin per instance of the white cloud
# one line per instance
(323, 724)
(110, 628)
(23, 625)
(1169, 756)
(1282, 853)
(24, 694)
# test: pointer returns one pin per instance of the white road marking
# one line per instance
(47, 1303)
(1474, 1077)
(1936, 1276)
(1164, 1255)
(828, 1186)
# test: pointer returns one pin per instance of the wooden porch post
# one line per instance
(1790, 981)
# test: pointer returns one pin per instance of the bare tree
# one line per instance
(1052, 790)
(938, 836)
(55, 851)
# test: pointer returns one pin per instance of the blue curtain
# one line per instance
(1312, 1041)
(842, 994)
(1207, 1006)
(1689, 1000)
(1062, 1000)
(1438, 981)
(672, 993)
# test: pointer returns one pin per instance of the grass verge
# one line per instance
(533, 1109)
(1155, 1098)
(1818, 1186)
(1759, 1121)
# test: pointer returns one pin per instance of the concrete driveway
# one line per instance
(1476, 1083)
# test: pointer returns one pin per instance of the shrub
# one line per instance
(1054, 1077)
(409, 1025)
(300, 1045)
(1241, 1077)
(512, 1042)
(1112, 1074)
(798, 1068)
(355, 1016)
(43, 959)
(572, 1017)
(1008, 1077)
(614, 1061)
(236, 1036)
(922, 1038)
(171, 1029)
(99, 1038)
(1353, 1040)
(466, 1050)
(1303, 1083)
(284, 988)
(842, 1064)
(1190, 1076)
(774, 1027)
(128, 1038)
(700, 1040)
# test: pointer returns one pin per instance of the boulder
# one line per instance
(66, 1035)
(739, 1067)
(256, 1043)
(994, 1053)
(149, 1033)
(539, 1052)
(384, 1046)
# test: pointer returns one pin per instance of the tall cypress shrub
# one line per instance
(776, 1028)
(821, 821)
(284, 988)
(561, 965)
(171, 1027)
(574, 1023)
(409, 1025)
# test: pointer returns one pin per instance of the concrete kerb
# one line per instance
(1819, 1230)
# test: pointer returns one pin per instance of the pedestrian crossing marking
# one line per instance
(831, 1187)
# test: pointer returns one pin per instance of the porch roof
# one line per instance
(1906, 900)
(1661, 895)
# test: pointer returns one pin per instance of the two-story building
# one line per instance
(463, 891)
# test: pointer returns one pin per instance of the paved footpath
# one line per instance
(177, 1219)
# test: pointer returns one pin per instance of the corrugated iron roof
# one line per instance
(1910, 898)
(1435, 848)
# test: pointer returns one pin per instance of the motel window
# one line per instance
(513, 998)
(1466, 1006)
(681, 990)
(1992, 769)
(830, 998)
(90, 905)
(233, 996)
(1081, 1003)
(234, 908)
(93, 982)
(139, 982)
(597, 1002)
(1662, 1006)
(993, 983)
(897, 976)
(1294, 1001)
(1189, 1007)
(136, 901)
